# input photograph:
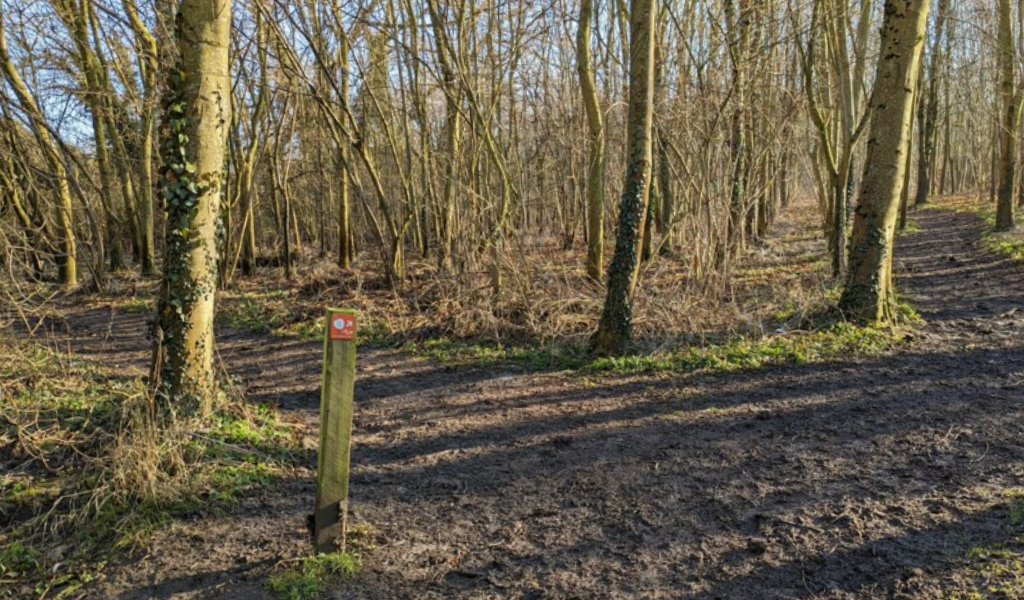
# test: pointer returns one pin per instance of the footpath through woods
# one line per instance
(866, 479)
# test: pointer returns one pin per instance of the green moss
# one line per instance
(310, 579)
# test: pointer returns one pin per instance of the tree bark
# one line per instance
(146, 46)
(595, 131)
(197, 116)
(615, 328)
(67, 258)
(928, 117)
(1008, 133)
(868, 295)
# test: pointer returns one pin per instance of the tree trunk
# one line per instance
(909, 159)
(1008, 133)
(615, 327)
(197, 116)
(595, 130)
(67, 258)
(929, 117)
(738, 38)
(146, 46)
(868, 296)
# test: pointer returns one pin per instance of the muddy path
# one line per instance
(867, 479)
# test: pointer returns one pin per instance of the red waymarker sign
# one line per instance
(343, 328)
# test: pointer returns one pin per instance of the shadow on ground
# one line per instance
(861, 479)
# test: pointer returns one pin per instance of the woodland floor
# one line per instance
(875, 478)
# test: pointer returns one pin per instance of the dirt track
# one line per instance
(858, 480)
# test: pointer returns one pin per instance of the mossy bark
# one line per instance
(193, 142)
(615, 327)
(595, 132)
(868, 295)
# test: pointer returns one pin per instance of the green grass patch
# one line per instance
(370, 332)
(1009, 244)
(837, 342)
(833, 342)
(276, 313)
(20, 559)
(537, 357)
(912, 227)
(997, 570)
(255, 313)
(139, 305)
(1017, 510)
(1006, 243)
(1003, 243)
(311, 578)
(68, 508)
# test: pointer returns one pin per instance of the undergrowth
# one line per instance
(80, 485)
(1009, 244)
(282, 314)
(545, 295)
(841, 341)
(836, 341)
(767, 312)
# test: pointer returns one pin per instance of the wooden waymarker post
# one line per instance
(336, 407)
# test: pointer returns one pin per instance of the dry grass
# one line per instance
(83, 478)
(546, 297)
